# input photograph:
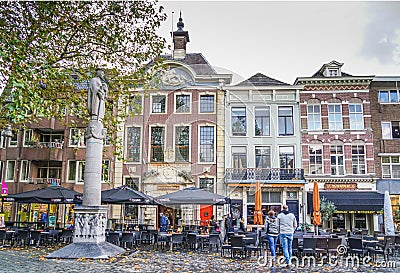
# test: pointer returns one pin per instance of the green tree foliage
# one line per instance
(327, 209)
(49, 50)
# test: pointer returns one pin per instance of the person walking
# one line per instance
(287, 224)
(271, 229)
(228, 225)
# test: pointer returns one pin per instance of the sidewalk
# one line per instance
(24, 260)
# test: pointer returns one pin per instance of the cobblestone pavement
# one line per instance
(24, 260)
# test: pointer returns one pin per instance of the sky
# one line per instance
(285, 40)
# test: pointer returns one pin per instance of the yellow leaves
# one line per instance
(42, 258)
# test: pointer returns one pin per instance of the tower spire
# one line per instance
(180, 39)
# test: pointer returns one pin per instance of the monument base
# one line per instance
(103, 250)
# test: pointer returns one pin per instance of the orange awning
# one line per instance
(316, 205)
(258, 216)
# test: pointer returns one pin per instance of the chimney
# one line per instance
(180, 39)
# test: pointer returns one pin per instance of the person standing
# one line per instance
(228, 225)
(287, 224)
(164, 223)
(271, 229)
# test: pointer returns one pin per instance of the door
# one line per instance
(293, 206)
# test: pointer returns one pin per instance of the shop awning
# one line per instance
(351, 201)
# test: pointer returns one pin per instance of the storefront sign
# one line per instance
(168, 187)
(359, 211)
(340, 186)
(4, 188)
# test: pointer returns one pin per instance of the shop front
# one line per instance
(354, 209)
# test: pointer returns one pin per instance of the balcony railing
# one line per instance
(254, 174)
(58, 145)
(48, 181)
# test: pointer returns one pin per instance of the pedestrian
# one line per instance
(164, 222)
(271, 230)
(242, 226)
(228, 226)
(287, 224)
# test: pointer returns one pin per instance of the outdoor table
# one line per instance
(370, 242)
(202, 238)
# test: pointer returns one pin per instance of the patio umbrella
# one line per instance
(126, 195)
(49, 195)
(192, 196)
(258, 216)
(316, 207)
(388, 215)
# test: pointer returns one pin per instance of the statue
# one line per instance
(97, 94)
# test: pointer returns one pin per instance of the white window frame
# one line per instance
(316, 155)
(337, 125)
(286, 134)
(165, 140)
(239, 133)
(80, 137)
(270, 156)
(133, 177)
(12, 177)
(190, 102)
(77, 171)
(151, 104)
(214, 104)
(387, 167)
(357, 116)
(358, 165)
(207, 177)
(337, 166)
(268, 108)
(140, 143)
(389, 101)
(199, 144)
(314, 122)
(190, 144)
(28, 133)
(25, 170)
(238, 150)
(129, 111)
(11, 142)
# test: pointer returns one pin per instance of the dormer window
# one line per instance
(333, 72)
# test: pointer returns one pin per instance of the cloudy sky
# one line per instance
(285, 40)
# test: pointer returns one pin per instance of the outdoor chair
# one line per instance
(225, 247)
(333, 244)
(237, 246)
(145, 237)
(355, 246)
(113, 237)
(161, 240)
(295, 247)
(381, 249)
(177, 240)
(127, 238)
(53, 236)
(192, 241)
(22, 237)
(214, 240)
(397, 244)
(322, 245)
(66, 236)
(253, 246)
(309, 245)
(36, 238)
(3, 237)
(136, 237)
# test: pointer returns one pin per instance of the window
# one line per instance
(10, 170)
(314, 117)
(390, 130)
(262, 122)
(27, 136)
(337, 167)
(391, 96)
(285, 120)
(358, 159)
(25, 168)
(2, 140)
(206, 184)
(182, 104)
(77, 137)
(14, 138)
(206, 144)
(157, 144)
(267, 197)
(133, 144)
(49, 172)
(286, 157)
(76, 171)
(105, 171)
(356, 116)
(335, 117)
(182, 143)
(132, 182)
(239, 157)
(206, 103)
(333, 72)
(135, 105)
(391, 167)
(263, 157)
(158, 104)
(315, 153)
(239, 121)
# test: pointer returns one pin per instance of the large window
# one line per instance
(157, 144)
(390, 130)
(10, 170)
(239, 157)
(158, 104)
(262, 122)
(391, 167)
(25, 170)
(387, 96)
(206, 183)
(356, 116)
(314, 117)
(286, 157)
(335, 117)
(206, 103)
(337, 162)
(315, 153)
(13, 140)
(285, 121)
(206, 144)
(49, 171)
(182, 104)
(76, 171)
(239, 121)
(133, 144)
(132, 182)
(77, 137)
(358, 159)
(182, 143)
(263, 157)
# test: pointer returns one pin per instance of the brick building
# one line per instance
(337, 145)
